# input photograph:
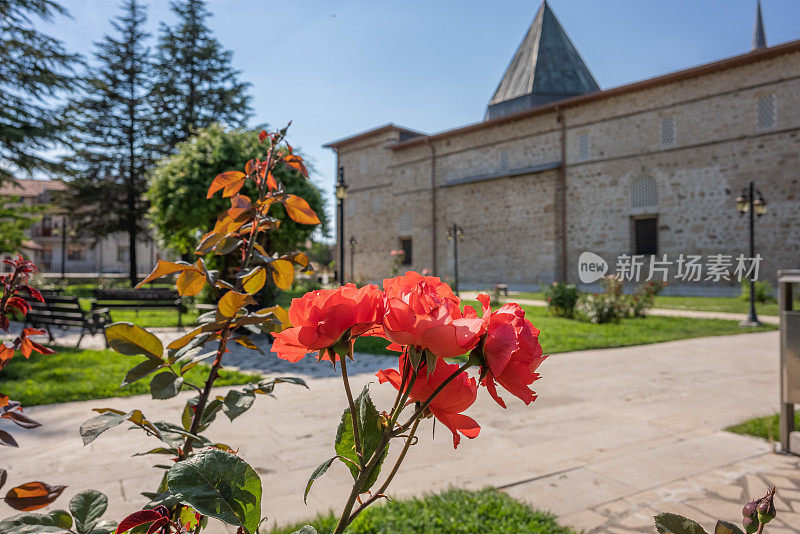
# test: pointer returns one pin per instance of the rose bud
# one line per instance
(766, 508)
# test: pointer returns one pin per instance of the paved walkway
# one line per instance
(616, 435)
(665, 312)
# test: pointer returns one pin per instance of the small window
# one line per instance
(646, 236)
(584, 147)
(766, 112)
(668, 137)
(123, 253)
(644, 194)
(76, 253)
(405, 246)
(504, 162)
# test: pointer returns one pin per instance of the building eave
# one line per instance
(672, 77)
(379, 130)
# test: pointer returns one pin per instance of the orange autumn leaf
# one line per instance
(190, 282)
(32, 496)
(272, 184)
(254, 281)
(299, 210)
(231, 302)
(164, 268)
(295, 162)
(282, 273)
(225, 180)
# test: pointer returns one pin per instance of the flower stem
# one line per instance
(353, 415)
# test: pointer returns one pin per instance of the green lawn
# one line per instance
(762, 427)
(718, 304)
(71, 375)
(451, 512)
(148, 317)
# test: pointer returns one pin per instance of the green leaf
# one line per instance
(726, 527)
(318, 472)
(28, 523)
(237, 402)
(104, 527)
(218, 484)
(141, 370)
(97, 425)
(370, 432)
(676, 524)
(87, 507)
(308, 529)
(61, 519)
(127, 338)
(165, 385)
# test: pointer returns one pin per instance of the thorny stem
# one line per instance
(346, 517)
(353, 415)
(380, 492)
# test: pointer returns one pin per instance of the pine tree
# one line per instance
(196, 86)
(113, 145)
(34, 69)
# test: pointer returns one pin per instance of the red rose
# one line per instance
(448, 404)
(321, 318)
(423, 312)
(511, 351)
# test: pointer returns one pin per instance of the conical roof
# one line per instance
(546, 67)
(759, 35)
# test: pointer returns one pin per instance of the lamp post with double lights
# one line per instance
(341, 195)
(353, 245)
(752, 202)
(455, 234)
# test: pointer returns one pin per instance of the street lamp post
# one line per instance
(64, 230)
(353, 245)
(341, 194)
(751, 201)
(455, 234)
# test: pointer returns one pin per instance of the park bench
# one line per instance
(501, 288)
(64, 311)
(139, 298)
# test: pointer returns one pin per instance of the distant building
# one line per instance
(82, 255)
(559, 167)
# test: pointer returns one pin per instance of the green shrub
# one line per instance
(763, 290)
(599, 308)
(561, 299)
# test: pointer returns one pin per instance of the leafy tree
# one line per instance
(196, 85)
(179, 210)
(15, 218)
(112, 139)
(34, 69)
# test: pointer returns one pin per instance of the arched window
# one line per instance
(644, 194)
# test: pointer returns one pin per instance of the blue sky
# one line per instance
(337, 67)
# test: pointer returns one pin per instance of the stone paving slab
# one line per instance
(614, 435)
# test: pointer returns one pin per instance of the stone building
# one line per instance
(559, 167)
(51, 249)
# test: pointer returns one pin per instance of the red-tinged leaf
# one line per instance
(20, 304)
(142, 517)
(21, 419)
(262, 136)
(250, 166)
(157, 524)
(295, 162)
(223, 180)
(6, 351)
(253, 281)
(162, 269)
(33, 293)
(4, 400)
(299, 210)
(3, 477)
(32, 496)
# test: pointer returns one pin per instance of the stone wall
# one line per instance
(511, 219)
